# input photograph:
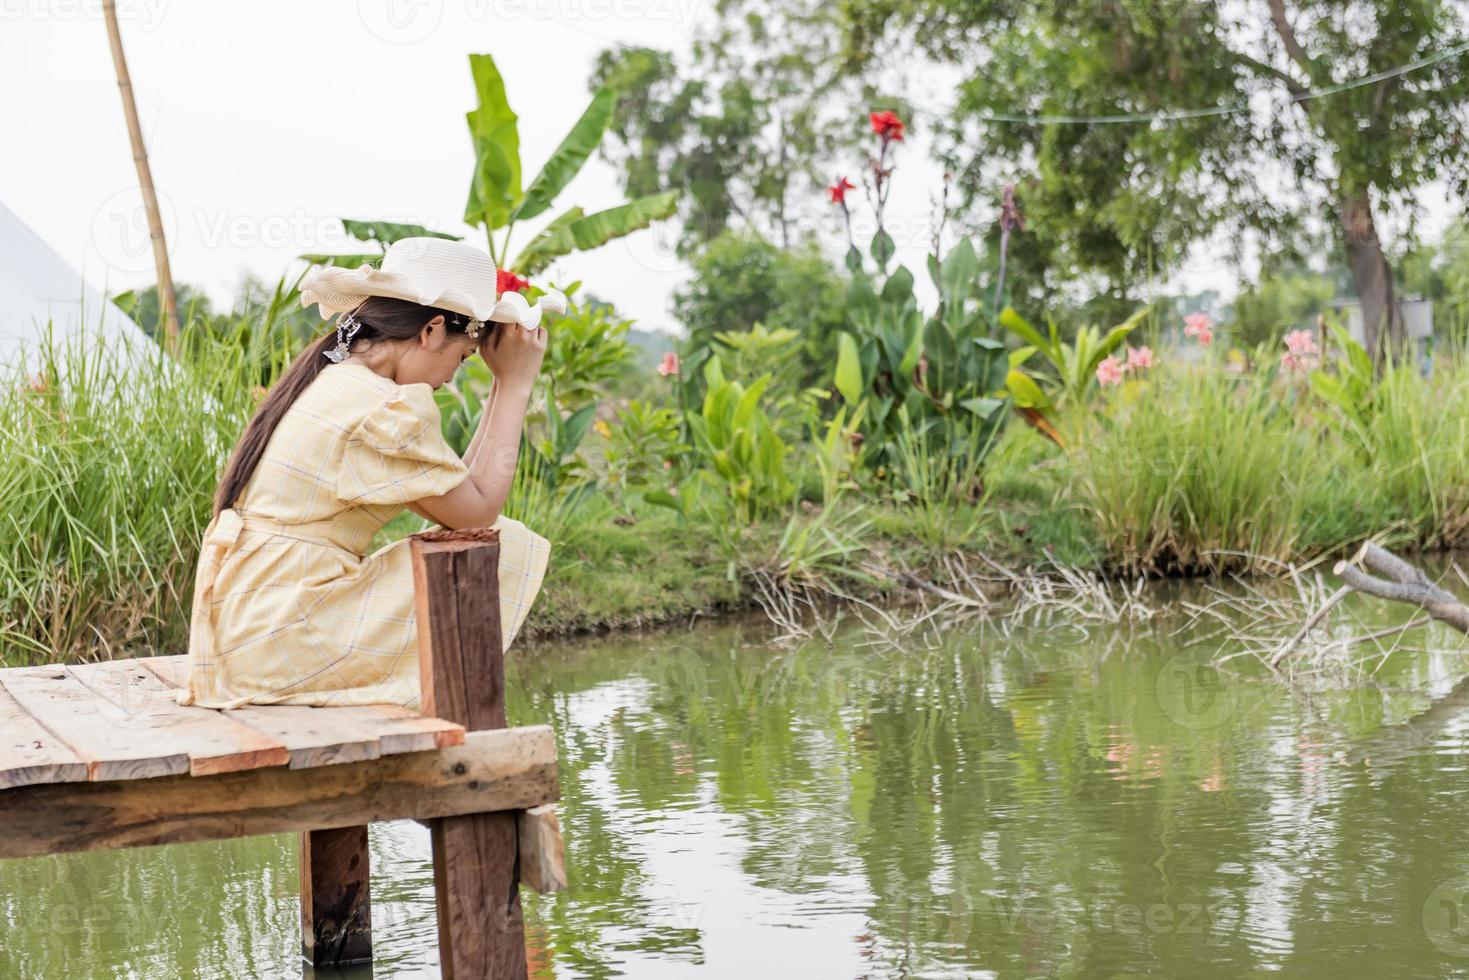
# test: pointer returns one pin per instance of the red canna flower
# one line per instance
(887, 125)
(508, 282)
(838, 191)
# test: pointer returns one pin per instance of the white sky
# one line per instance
(267, 120)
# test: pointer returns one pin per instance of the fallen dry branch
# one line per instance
(1403, 583)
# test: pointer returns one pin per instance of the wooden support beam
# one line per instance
(512, 769)
(462, 679)
(336, 907)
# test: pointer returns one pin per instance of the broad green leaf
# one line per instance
(982, 407)
(849, 369)
(1020, 326)
(914, 348)
(388, 232)
(898, 289)
(601, 227)
(1025, 392)
(553, 241)
(494, 189)
(883, 248)
(340, 261)
(958, 272)
(568, 158)
(575, 428)
(854, 259)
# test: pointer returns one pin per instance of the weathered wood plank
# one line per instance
(462, 678)
(114, 743)
(327, 736)
(29, 753)
(502, 770)
(213, 740)
(336, 905)
(542, 854)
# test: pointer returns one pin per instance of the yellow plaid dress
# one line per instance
(287, 607)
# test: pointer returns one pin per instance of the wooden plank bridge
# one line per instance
(101, 756)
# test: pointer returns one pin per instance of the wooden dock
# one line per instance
(101, 756)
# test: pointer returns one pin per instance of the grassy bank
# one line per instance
(1186, 470)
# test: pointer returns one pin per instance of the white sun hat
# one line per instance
(437, 272)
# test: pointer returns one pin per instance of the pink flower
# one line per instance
(1300, 342)
(1298, 362)
(669, 365)
(1199, 325)
(1109, 372)
(1141, 357)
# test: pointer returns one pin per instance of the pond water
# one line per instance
(1068, 800)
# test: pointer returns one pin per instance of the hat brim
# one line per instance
(336, 290)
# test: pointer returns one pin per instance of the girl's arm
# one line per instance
(495, 448)
(475, 441)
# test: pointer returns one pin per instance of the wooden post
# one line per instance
(462, 678)
(336, 910)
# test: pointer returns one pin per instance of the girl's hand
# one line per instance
(514, 353)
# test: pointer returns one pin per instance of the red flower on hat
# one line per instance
(838, 191)
(508, 282)
(887, 125)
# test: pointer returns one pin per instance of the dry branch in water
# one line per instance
(1404, 583)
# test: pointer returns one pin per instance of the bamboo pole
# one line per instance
(167, 301)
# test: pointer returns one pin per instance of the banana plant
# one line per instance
(380, 233)
(498, 202)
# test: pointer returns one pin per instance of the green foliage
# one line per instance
(1125, 200)
(495, 196)
(587, 351)
(642, 442)
(109, 475)
(1350, 388)
(742, 126)
(741, 280)
(945, 371)
(1202, 471)
(383, 233)
(1074, 365)
(739, 446)
(1266, 311)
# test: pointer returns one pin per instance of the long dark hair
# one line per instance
(382, 318)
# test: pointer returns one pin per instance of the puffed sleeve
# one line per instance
(398, 454)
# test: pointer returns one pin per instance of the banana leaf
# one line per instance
(494, 190)
(568, 158)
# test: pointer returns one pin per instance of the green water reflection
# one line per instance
(1058, 802)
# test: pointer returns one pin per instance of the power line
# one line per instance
(1175, 115)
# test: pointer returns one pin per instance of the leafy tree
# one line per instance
(742, 279)
(1122, 196)
(741, 130)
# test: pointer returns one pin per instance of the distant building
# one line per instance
(1417, 317)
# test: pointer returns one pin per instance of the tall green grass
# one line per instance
(1200, 470)
(109, 458)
